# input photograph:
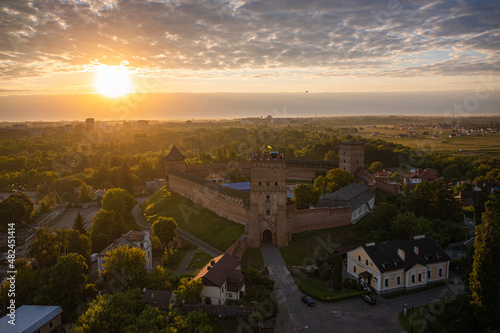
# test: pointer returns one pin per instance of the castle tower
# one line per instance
(267, 215)
(175, 160)
(351, 156)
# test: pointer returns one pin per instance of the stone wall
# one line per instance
(317, 218)
(211, 196)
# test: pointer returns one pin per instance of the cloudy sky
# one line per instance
(289, 46)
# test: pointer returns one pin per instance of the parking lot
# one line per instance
(67, 219)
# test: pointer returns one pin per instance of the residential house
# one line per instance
(158, 298)
(139, 239)
(392, 266)
(421, 175)
(33, 318)
(359, 198)
(222, 280)
(459, 249)
(215, 177)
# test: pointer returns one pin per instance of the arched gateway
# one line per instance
(267, 236)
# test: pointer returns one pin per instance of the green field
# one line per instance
(217, 231)
(481, 144)
(199, 260)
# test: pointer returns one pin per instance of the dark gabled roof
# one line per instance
(385, 255)
(243, 195)
(157, 297)
(218, 270)
(462, 246)
(174, 155)
(353, 195)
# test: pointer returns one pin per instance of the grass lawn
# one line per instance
(253, 257)
(217, 231)
(318, 290)
(199, 260)
(177, 260)
(308, 247)
(423, 318)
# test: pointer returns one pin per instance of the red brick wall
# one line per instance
(317, 218)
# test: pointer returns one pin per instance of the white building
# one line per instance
(139, 239)
(222, 280)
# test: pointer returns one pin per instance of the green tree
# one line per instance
(165, 228)
(75, 242)
(376, 166)
(45, 248)
(189, 290)
(129, 262)
(17, 208)
(28, 281)
(485, 292)
(337, 273)
(118, 200)
(85, 193)
(435, 200)
(107, 226)
(66, 284)
(333, 181)
(304, 196)
(234, 175)
(125, 178)
(79, 224)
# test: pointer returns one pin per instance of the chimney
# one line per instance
(415, 249)
(401, 254)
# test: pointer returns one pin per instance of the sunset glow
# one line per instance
(113, 81)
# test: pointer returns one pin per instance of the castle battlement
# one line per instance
(271, 157)
(349, 143)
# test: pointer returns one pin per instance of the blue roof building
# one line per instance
(33, 318)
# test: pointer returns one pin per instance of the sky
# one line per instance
(189, 49)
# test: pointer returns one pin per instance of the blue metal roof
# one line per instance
(243, 186)
(29, 318)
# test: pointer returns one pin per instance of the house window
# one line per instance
(354, 268)
(268, 197)
(386, 282)
(359, 258)
(51, 324)
(142, 245)
(268, 212)
(429, 274)
(260, 183)
(419, 277)
(413, 278)
(399, 279)
(229, 295)
(275, 183)
(366, 262)
(440, 272)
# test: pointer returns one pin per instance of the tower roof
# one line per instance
(174, 155)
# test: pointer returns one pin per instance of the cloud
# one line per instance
(350, 37)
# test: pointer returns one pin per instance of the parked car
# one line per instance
(308, 300)
(369, 299)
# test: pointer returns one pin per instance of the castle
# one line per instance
(265, 210)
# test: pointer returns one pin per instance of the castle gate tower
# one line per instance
(175, 160)
(267, 216)
(352, 156)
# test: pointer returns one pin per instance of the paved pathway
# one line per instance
(198, 242)
(185, 262)
(352, 315)
(136, 213)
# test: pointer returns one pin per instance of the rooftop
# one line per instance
(174, 155)
(219, 270)
(29, 318)
(353, 195)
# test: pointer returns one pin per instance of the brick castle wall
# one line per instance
(317, 218)
(210, 197)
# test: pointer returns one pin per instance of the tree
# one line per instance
(85, 193)
(337, 273)
(129, 262)
(304, 196)
(234, 175)
(165, 228)
(45, 248)
(333, 181)
(485, 293)
(79, 224)
(189, 290)
(434, 200)
(75, 242)
(107, 226)
(118, 200)
(28, 280)
(125, 178)
(17, 208)
(66, 283)
(376, 166)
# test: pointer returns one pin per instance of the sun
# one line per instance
(113, 81)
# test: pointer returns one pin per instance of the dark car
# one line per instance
(369, 299)
(308, 300)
